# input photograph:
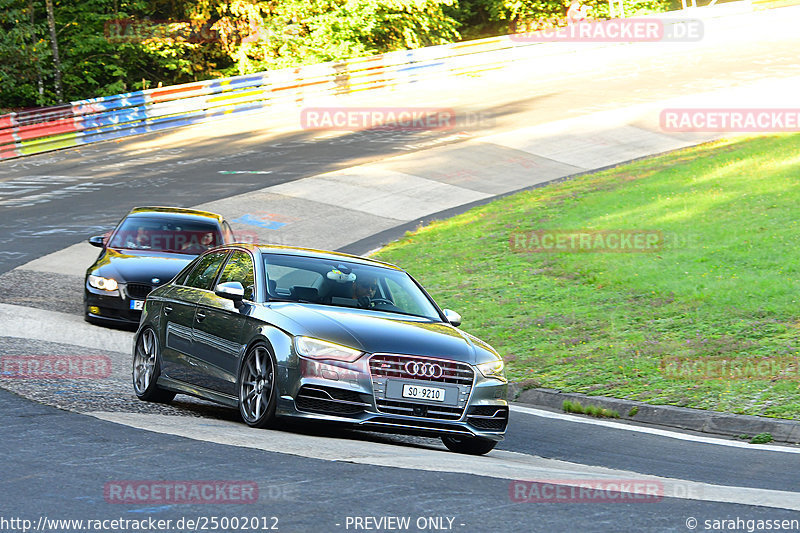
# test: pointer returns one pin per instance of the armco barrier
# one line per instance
(123, 115)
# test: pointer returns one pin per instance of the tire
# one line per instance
(147, 368)
(469, 445)
(257, 390)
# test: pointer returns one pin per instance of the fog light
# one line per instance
(93, 309)
(330, 374)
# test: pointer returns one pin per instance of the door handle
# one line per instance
(167, 309)
(201, 316)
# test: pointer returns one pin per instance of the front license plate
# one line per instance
(137, 305)
(417, 392)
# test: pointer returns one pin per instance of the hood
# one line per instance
(139, 266)
(376, 332)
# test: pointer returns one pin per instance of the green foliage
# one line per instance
(294, 32)
(157, 45)
(95, 62)
(535, 14)
(761, 438)
(633, 411)
(570, 406)
(22, 50)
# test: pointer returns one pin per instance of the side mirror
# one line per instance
(232, 290)
(98, 240)
(452, 317)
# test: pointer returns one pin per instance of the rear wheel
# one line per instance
(469, 445)
(257, 391)
(146, 369)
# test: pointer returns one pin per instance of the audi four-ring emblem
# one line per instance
(424, 370)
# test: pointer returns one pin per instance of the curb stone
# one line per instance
(787, 431)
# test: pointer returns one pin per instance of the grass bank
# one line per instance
(706, 318)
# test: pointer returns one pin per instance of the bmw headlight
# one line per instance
(493, 369)
(319, 349)
(104, 284)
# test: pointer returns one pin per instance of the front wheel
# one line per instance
(146, 369)
(257, 390)
(469, 445)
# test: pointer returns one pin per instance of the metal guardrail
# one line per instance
(122, 115)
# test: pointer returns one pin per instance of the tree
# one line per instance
(274, 34)
(51, 25)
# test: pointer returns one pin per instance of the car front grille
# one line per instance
(138, 291)
(488, 417)
(387, 367)
(330, 400)
(393, 366)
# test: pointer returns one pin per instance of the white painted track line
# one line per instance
(497, 464)
(51, 326)
(651, 431)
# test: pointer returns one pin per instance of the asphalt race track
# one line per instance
(64, 442)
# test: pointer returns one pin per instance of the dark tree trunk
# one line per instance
(51, 22)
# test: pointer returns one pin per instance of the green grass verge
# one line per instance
(725, 284)
(591, 410)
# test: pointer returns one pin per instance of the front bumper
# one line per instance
(351, 394)
(109, 306)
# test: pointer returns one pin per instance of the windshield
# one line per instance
(345, 284)
(185, 237)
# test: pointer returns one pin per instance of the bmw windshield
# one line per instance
(177, 236)
(345, 284)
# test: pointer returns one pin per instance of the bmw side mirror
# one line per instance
(452, 317)
(232, 290)
(98, 240)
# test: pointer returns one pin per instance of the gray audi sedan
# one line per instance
(291, 332)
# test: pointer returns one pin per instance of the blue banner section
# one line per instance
(260, 222)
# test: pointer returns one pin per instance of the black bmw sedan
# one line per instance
(146, 249)
(281, 331)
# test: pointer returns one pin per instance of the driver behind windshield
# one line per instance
(140, 240)
(364, 289)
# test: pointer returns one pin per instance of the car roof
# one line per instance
(313, 252)
(176, 213)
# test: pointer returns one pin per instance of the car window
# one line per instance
(206, 270)
(240, 268)
(405, 299)
(344, 284)
(283, 278)
(180, 279)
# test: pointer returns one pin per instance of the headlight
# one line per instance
(105, 284)
(493, 369)
(318, 349)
